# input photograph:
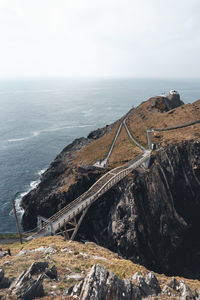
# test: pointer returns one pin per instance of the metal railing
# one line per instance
(95, 191)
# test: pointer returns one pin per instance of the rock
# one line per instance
(99, 257)
(40, 249)
(174, 284)
(45, 250)
(52, 245)
(101, 284)
(3, 253)
(25, 287)
(50, 250)
(52, 273)
(99, 132)
(1, 274)
(6, 263)
(52, 293)
(166, 291)
(38, 267)
(4, 282)
(152, 282)
(185, 291)
(84, 254)
(66, 250)
(75, 277)
(23, 252)
(146, 289)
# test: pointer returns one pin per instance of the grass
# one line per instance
(153, 119)
(74, 262)
(141, 118)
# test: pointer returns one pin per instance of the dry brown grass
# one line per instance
(124, 149)
(78, 260)
(98, 149)
(154, 119)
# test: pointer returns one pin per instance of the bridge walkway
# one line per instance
(67, 214)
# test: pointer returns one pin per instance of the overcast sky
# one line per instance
(123, 38)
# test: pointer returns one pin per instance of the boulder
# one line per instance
(38, 267)
(4, 282)
(3, 253)
(52, 273)
(25, 287)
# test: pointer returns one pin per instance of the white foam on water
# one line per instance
(41, 172)
(33, 184)
(37, 133)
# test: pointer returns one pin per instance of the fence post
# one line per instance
(18, 228)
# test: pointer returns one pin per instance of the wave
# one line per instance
(37, 133)
(41, 172)
(33, 184)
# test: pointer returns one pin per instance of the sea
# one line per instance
(39, 117)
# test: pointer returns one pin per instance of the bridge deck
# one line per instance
(101, 186)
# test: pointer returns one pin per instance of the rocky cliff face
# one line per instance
(152, 216)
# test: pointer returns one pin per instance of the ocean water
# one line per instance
(39, 117)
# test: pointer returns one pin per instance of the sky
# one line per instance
(95, 38)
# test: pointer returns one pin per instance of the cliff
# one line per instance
(151, 216)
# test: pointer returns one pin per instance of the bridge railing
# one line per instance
(102, 190)
(83, 201)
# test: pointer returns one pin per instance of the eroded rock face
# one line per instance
(100, 284)
(25, 287)
(152, 217)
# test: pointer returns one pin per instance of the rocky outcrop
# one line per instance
(173, 101)
(165, 103)
(100, 284)
(25, 287)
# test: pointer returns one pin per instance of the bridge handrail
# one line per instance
(174, 127)
(132, 138)
(112, 179)
(114, 141)
(81, 196)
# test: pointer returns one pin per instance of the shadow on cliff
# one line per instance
(152, 217)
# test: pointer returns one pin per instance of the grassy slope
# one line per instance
(141, 118)
(126, 150)
(73, 262)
